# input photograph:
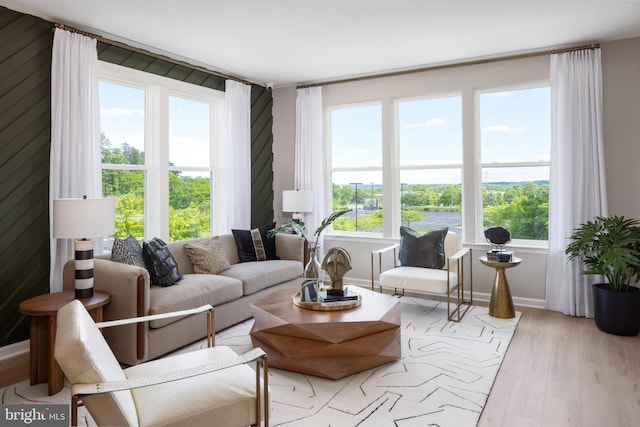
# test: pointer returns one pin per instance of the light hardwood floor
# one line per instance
(558, 371)
(562, 371)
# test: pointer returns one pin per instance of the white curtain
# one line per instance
(309, 153)
(577, 182)
(237, 158)
(75, 134)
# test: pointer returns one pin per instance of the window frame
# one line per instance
(158, 89)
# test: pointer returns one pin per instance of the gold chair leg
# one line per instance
(265, 368)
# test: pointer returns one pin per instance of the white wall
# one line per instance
(621, 68)
(284, 131)
(621, 81)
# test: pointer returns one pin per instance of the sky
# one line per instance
(122, 119)
(514, 127)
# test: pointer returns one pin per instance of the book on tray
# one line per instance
(347, 298)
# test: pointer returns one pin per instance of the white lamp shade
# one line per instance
(83, 218)
(297, 201)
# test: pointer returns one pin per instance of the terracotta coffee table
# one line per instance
(328, 344)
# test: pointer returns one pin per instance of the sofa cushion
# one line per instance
(255, 244)
(417, 279)
(259, 275)
(194, 290)
(207, 256)
(221, 398)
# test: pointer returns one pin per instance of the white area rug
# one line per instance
(443, 379)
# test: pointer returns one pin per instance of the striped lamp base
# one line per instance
(84, 268)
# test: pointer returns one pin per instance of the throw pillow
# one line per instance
(162, 267)
(127, 251)
(422, 250)
(255, 245)
(207, 256)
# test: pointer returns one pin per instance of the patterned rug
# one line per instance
(443, 379)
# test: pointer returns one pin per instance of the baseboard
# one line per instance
(14, 363)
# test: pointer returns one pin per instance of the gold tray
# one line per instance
(315, 306)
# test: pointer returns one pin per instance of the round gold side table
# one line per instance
(501, 304)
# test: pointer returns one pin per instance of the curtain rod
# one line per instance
(148, 53)
(459, 64)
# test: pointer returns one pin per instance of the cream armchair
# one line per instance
(208, 387)
(446, 281)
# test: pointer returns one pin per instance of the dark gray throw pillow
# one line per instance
(162, 266)
(422, 250)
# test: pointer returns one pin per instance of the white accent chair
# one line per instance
(207, 387)
(445, 281)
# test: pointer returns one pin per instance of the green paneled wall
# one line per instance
(25, 133)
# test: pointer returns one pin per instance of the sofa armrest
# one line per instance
(129, 287)
(121, 281)
(290, 246)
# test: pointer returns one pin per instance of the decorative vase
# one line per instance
(312, 269)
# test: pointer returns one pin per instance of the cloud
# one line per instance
(432, 123)
(121, 112)
(505, 129)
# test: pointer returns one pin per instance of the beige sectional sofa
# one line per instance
(230, 292)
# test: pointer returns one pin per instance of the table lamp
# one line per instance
(82, 219)
(298, 202)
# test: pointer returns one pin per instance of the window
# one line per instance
(430, 143)
(515, 135)
(122, 143)
(189, 168)
(356, 167)
(411, 159)
(158, 140)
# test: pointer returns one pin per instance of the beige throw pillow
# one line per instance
(207, 256)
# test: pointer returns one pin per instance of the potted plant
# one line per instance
(312, 269)
(610, 246)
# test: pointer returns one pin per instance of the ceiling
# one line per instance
(289, 42)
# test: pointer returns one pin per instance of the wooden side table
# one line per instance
(43, 310)
(501, 304)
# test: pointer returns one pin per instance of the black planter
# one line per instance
(616, 313)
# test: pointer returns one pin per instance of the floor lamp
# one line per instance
(82, 219)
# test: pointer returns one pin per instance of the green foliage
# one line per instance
(411, 215)
(130, 216)
(522, 209)
(189, 197)
(368, 222)
(609, 246)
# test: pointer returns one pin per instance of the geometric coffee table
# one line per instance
(328, 344)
